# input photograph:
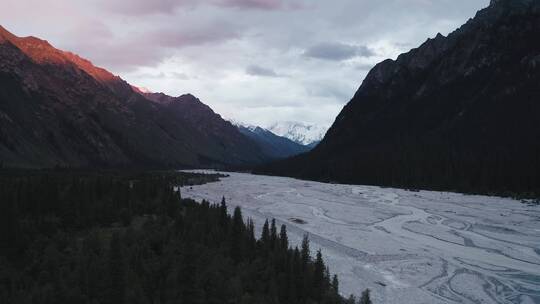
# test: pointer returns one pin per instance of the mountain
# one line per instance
(272, 145)
(57, 108)
(457, 113)
(304, 134)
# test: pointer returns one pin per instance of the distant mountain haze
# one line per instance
(457, 113)
(58, 109)
(272, 145)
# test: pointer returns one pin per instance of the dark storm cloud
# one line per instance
(256, 70)
(338, 51)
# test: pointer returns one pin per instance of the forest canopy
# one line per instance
(112, 237)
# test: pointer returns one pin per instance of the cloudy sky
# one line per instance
(255, 61)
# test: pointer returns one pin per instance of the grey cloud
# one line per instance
(163, 75)
(254, 4)
(149, 48)
(179, 75)
(147, 7)
(209, 40)
(333, 90)
(256, 70)
(191, 36)
(364, 66)
(338, 51)
(364, 51)
(263, 4)
(126, 56)
(93, 29)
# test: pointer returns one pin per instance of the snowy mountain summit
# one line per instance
(273, 145)
(240, 124)
(305, 134)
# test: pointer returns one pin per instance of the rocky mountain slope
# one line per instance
(459, 112)
(57, 109)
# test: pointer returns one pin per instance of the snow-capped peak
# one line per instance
(301, 133)
(243, 125)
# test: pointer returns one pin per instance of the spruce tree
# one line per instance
(251, 240)
(365, 298)
(237, 230)
(117, 284)
(283, 239)
(223, 212)
(304, 253)
(318, 276)
(265, 236)
(335, 283)
(238, 221)
(273, 234)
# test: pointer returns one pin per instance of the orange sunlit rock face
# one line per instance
(42, 52)
(60, 109)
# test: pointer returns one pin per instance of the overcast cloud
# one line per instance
(256, 70)
(256, 61)
(338, 51)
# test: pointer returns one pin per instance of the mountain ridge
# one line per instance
(302, 133)
(273, 145)
(58, 109)
(433, 118)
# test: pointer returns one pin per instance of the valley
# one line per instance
(439, 247)
(103, 183)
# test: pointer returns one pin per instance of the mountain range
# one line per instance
(460, 112)
(274, 146)
(58, 109)
(305, 134)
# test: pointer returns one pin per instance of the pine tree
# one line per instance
(304, 253)
(237, 239)
(273, 234)
(365, 298)
(223, 212)
(238, 221)
(251, 240)
(8, 224)
(265, 236)
(318, 276)
(116, 271)
(335, 283)
(283, 239)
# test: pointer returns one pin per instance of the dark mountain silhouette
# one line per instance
(59, 109)
(272, 145)
(459, 113)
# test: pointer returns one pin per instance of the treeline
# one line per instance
(117, 238)
(421, 165)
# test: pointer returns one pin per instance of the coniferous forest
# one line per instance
(130, 238)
